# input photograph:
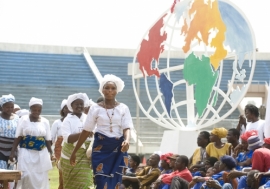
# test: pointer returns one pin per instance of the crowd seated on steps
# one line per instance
(242, 162)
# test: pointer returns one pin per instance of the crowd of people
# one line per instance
(91, 141)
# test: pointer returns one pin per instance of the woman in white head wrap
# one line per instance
(8, 125)
(113, 121)
(57, 137)
(71, 130)
(34, 136)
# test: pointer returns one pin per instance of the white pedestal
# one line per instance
(179, 142)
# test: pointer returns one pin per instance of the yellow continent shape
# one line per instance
(206, 17)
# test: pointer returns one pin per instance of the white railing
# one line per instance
(92, 65)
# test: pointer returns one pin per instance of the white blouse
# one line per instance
(56, 129)
(97, 117)
(72, 125)
(26, 127)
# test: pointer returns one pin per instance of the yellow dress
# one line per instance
(196, 157)
(212, 151)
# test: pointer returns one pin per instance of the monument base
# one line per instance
(179, 142)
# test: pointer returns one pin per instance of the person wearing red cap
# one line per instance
(260, 159)
(165, 163)
(182, 173)
(172, 160)
(243, 158)
(266, 143)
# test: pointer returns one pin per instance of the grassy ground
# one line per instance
(54, 176)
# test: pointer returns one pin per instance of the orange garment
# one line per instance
(233, 182)
(58, 147)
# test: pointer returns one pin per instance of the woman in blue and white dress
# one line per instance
(8, 125)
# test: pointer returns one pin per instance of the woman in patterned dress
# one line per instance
(111, 121)
(79, 176)
(8, 125)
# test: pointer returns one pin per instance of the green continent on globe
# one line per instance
(200, 73)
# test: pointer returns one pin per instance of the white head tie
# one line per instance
(63, 104)
(72, 98)
(22, 112)
(90, 103)
(6, 98)
(16, 106)
(109, 77)
(34, 101)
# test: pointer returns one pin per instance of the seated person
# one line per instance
(252, 182)
(200, 179)
(227, 164)
(165, 163)
(260, 160)
(172, 161)
(199, 156)
(243, 159)
(216, 148)
(157, 183)
(134, 163)
(182, 172)
(233, 138)
(209, 162)
(145, 177)
(201, 172)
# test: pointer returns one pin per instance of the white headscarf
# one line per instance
(72, 98)
(6, 98)
(34, 101)
(16, 106)
(63, 104)
(109, 77)
(90, 103)
(22, 112)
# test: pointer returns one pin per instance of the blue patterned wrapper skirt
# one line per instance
(108, 161)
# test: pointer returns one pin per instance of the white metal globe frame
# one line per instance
(163, 119)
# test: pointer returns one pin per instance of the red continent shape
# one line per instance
(173, 5)
(151, 49)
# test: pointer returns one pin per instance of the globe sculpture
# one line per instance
(212, 36)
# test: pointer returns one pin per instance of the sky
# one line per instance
(102, 23)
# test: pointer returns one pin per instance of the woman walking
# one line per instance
(112, 134)
(79, 176)
(8, 125)
(57, 137)
(34, 136)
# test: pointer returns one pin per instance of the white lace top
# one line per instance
(97, 117)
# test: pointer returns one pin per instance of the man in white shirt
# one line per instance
(255, 123)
